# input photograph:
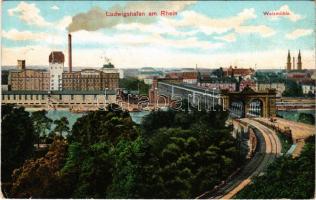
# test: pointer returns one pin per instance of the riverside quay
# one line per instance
(65, 99)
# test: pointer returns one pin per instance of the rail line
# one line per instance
(269, 148)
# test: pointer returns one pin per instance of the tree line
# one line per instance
(106, 155)
(287, 177)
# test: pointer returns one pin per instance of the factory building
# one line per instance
(28, 79)
(56, 69)
(89, 80)
(56, 79)
(76, 100)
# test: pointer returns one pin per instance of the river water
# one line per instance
(72, 117)
(138, 116)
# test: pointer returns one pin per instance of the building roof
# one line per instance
(217, 80)
(238, 71)
(308, 82)
(26, 70)
(143, 69)
(174, 75)
(56, 57)
(269, 77)
(189, 75)
(108, 66)
(64, 92)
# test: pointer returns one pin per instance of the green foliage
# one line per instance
(286, 142)
(219, 73)
(193, 154)
(95, 171)
(41, 124)
(126, 170)
(103, 126)
(172, 155)
(292, 89)
(287, 177)
(61, 126)
(93, 153)
(134, 84)
(38, 178)
(168, 160)
(17, 139)
(306, 118)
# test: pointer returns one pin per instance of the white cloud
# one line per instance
(161, 27)
(284, 11)
(39, 37)
(95, 18)
(209, 25)
(134, 40)
(263, 30)
(227, 38)
(54, 7)
(28, 13)
(16, 35)
(298, 33)
(63, 23)
(157, 57)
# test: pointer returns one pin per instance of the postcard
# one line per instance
(158, 99)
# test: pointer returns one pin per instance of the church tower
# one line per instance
(299, 61)
(288, 64)
(293, 67)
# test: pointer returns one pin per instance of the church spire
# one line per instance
(288, 64)
(299, 61)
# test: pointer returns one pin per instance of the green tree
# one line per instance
(17, 139)
(41, 124)
(103, 126)
(39, 178)
(95, 171)
(292, 89)
(306, 118)
(134, 84)
(287, 177)
(135, 174)
(219, 73)
(90, 162)
(126, 159)
(62, 126)
(193, 154)
(172, 155)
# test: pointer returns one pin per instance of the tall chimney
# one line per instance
(69, 53)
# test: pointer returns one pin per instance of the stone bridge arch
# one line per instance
(264, 101)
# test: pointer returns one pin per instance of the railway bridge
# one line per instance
(247, 103)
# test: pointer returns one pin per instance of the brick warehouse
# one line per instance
(29, 79)
(89, 80)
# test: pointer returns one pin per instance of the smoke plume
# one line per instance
(96, 19)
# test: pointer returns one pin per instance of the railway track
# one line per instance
(269, 148)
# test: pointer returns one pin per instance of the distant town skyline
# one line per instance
(207, 34)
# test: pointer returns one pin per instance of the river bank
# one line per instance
(73, 116)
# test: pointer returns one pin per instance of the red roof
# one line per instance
(56, 57)
(189, 75)
(174, 75)
(238, 71)
(308, 82)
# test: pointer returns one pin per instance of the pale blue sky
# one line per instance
(208, 41)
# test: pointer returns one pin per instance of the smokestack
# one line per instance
(69, 53)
